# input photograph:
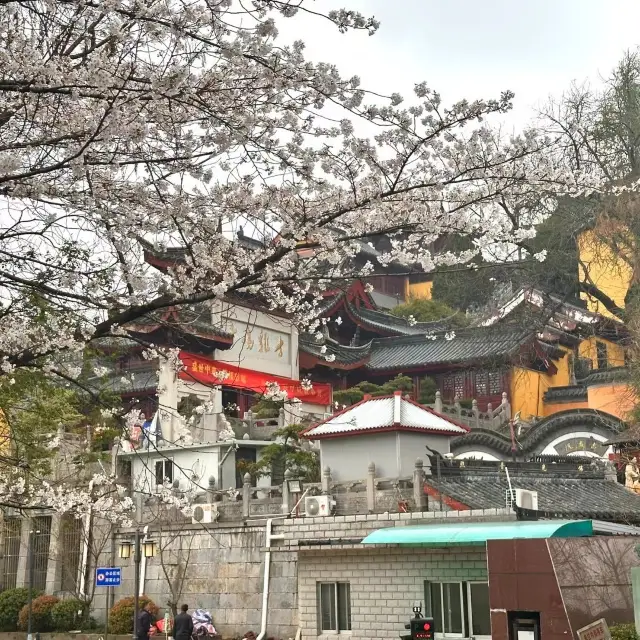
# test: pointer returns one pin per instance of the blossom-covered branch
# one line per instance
(176, 122)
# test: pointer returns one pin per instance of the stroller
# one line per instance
(202, 625)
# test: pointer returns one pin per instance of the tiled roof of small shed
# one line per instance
(383, 414)
(580, 494)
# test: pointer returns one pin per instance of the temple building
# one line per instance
(546, 355)
(525, 368)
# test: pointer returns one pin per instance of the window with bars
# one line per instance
(602, 355)
(459, 609)
(164, 472)
(40, 553)
(458, 384)
(334, 607)
(72, 536)
(482, 383)
(11, 532)
(495, 382)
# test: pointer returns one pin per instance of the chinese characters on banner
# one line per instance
(209, 372)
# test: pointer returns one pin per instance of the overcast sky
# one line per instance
(476, 48)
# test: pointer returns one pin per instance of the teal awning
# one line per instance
(470, 533)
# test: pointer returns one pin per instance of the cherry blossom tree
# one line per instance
(125, 124)
(131, 126)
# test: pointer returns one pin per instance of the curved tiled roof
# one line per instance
(440, 348)
(388, 323)
(559, 394)
(541, 432)
(133, 381)
(603, 376)
(329, 303)
(579, 495)
(467, 345)
(630, 436)
(579, 391)
(185, 320)
(346, 356)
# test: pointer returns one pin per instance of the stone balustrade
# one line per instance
(373, 494)
(494, 419)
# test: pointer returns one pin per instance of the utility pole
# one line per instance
(30, 563)
(137, 559)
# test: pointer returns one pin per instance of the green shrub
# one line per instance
(428, 388)
(624, 632)
(67, 615)
(424, 310)
(121, 614)
(11, 602)
(40, 614)
(347, 396)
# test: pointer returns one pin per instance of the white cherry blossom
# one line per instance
(129, 129)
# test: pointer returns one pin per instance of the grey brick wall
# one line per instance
(224, 574)
(384, 583)
(226, 564)
(302, 532)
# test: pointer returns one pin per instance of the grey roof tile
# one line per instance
(468, 345)
(344, 355)
(381, 321)
(185, 320)
(572, 495)
(600, 376)
(558, 394)
(474, 344)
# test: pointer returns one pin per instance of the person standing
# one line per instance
(183, 624)
(145, 620)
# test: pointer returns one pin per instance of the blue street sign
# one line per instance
(108, 577)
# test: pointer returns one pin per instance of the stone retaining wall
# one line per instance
(224, 565)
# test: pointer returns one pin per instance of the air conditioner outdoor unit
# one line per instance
(317, 506)
(527, 499)
(205, 514)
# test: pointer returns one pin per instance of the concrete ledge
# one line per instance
(20, 635)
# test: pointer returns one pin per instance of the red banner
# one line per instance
(211, 372)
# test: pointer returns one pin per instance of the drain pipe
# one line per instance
(232, 447)
(512, 494)
(267, 568)
(84, 561)
(143, 568)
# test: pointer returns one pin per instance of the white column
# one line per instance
(56, 555)
(211, 419)
(22, 578)
(292, 413)
(295, 368)
(167, 398)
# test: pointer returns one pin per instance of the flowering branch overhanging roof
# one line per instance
(106, 148)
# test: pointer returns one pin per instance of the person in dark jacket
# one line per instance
(145, 620)
(183, 625)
